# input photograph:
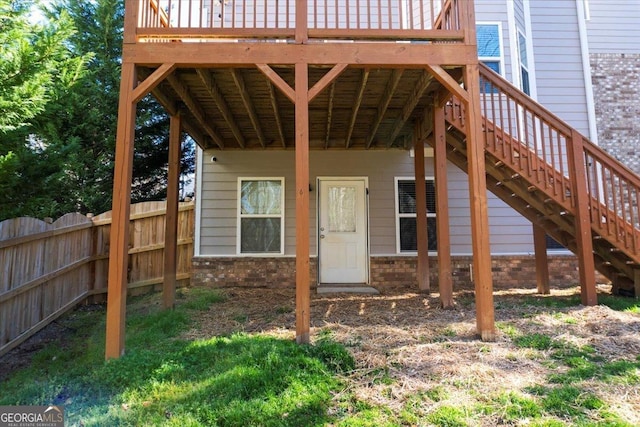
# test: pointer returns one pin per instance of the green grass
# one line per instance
(259, 380)
(163, 380)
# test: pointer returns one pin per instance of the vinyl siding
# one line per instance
(614, 26)
(558, 61)
(510, 233)
(518, 7)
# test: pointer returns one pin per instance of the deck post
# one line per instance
(445, 279)
(302, 204)
(171, 224)
(119, 240)
(421, 209)
(302, 26)
(542, 261)
(482, 278)
(584, 250)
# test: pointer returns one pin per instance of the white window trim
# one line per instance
(239, 216)
(500, 46)
(398, 215)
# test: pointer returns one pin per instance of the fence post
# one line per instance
(584, 243)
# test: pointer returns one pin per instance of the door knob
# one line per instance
(322, 236)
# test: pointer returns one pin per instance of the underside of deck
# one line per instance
(307, 75)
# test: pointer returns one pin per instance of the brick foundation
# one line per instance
(386, 272)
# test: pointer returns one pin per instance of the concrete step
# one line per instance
(346, 289)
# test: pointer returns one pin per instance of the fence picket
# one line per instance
(49, 268)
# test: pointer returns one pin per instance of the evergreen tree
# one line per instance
(36, 68)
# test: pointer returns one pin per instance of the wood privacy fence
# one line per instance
(48, 268)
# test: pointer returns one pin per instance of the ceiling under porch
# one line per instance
(240, 108)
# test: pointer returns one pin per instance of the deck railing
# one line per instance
(326, 19)
(538, 146)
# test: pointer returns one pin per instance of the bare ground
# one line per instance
(405, 344)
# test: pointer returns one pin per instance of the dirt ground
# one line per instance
(404, 343)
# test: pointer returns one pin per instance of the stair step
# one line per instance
(347, 289)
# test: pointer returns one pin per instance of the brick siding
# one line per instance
(616, 93)
(386, 272)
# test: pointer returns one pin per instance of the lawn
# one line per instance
(229, 358)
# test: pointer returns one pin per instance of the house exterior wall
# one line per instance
(510, 232)
(558, 61)
(614, 51)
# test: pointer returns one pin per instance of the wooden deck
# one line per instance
(303, 75)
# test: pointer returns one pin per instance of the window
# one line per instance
(489, 50)
(553, 244)
(260, 215)
(524, 63)
(489, 46)
(406, 233)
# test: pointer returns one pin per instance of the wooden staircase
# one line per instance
(549, 173)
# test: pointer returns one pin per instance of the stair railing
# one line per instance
(536, 144)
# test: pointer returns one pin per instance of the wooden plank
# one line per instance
(445, 273)
(302, 26)
(365, 55)
(409, 106)
(195, 108)
(356, 106)
(276, 114)
(99, 220)
(421, 210)
(326, 80)
(483, 282)
(41, 324)
(143, 283)
(42, 235)
(151, 82)
(278, 81)
(171, 221)
(303, 299)
(389, 91)
(119, 240)
(221, 103)
(249, 106)
(580, 193)
(542, 261)
(449, 82)
(24, 287)
(329, 115)
(131, 11)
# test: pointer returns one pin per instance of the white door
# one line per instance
(342, 231)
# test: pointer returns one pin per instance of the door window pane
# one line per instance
(342, 209)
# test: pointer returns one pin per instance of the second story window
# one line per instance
(490, 45)
(524, 63)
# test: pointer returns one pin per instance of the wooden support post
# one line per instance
(483, 282)
(542, 262)
(119, 240)
(302, 27)
(171, 224)
(445, 278)
(421, 209)
(636, 282)
(584, 250)
(303, 304)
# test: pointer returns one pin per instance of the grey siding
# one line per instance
(510, 233)
(558, 61)
(614, 26)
